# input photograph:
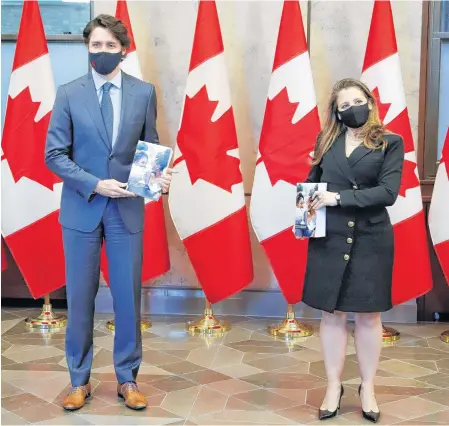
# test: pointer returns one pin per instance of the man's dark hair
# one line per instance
(299, 196)
(114, 25)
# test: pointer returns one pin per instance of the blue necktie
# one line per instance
(107, 110)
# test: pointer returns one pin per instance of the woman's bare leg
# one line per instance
(334, 339)
(368, 344)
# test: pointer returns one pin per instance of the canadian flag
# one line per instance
(156, 260)
(207, 201)
(131, 64)
(291, 125)
(30, 192)
(382, 74)
(439, 210)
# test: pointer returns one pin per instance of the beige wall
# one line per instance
(338, 31)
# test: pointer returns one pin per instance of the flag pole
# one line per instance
(208, 324)
(445, 336)
(290, 328)
(47, 320)
(144, 325)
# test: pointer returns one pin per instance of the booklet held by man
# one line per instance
(309, 223)
(150, 161)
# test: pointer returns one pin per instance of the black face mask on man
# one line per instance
(104, 62)
(355, 116)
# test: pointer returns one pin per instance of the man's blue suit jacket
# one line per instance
(78, 150)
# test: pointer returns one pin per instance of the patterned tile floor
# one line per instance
(245, 377)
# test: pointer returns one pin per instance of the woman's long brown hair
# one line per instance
(372, 131)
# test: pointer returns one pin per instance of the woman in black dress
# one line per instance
(350, 270)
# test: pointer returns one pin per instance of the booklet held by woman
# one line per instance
(309, 223)
(150, 161)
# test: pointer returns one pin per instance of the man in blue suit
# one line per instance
(96, 123)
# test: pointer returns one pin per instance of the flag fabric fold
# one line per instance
(439, 211)
(206, 199)
(290, 127)
(382, 74)
(30, 192)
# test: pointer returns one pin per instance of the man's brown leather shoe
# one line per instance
(134, 399)
(76, 398)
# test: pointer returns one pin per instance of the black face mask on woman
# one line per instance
(355, 116)
(104, 62)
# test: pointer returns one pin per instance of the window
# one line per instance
(443, 108)
(445, 16)
(436, 111)
(58, 16)
(64, 21)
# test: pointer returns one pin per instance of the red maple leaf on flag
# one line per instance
(409, 179)
(285, 147)
(383, 108)
(23, 141)
(400, 125)
(205, 144)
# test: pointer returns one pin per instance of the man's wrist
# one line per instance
(97, 187)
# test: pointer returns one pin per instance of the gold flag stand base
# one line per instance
(208, 324)
(290, 328)
(47, 320)
(445, 336)
(390, 334)
(144, 325)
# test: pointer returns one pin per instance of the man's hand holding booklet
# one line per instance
(147, 178)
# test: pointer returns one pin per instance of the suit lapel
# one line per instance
(93, 106)
(339, 153)
(128, 101)
(358, 154)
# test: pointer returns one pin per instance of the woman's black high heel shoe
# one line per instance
(372, 416)
(326, 414)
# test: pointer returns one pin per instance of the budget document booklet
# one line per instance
(309, 223)
(150, 161)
